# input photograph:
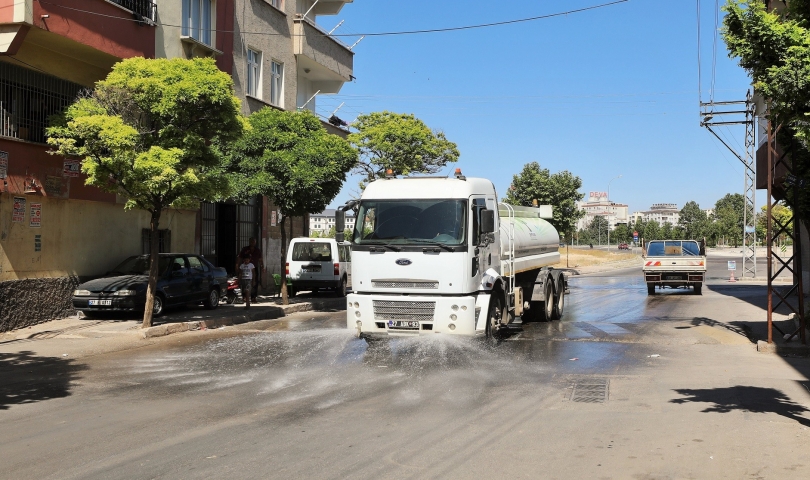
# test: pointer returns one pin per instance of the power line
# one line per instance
(371, 34)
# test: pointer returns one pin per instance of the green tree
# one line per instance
(666, 231)
(774, 48)
(146, 133)
(560, 190)
(693, 220)
(652, 231)
(290, 158)
(597, 230)
(401, 143)
(621, 233)
(728, 219)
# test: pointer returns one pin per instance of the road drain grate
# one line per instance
(590, 391)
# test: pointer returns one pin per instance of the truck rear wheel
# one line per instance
(650, 289)
(699, 288)
(548, 304)
(559, 302)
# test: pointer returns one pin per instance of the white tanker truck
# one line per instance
(441, 256)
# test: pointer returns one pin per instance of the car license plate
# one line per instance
(403, 324)
(312, 268)
(100, 302)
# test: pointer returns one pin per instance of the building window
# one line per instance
(277, 3)
(143, 8)
(254, 73)
(276, 83)
(28, 98)
(164, 241)
(197, 20)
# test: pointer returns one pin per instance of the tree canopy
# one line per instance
(290, 158)
(774, 48)
(399, 142)
(146, 133)
(560, 190)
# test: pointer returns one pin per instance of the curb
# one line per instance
(792, 350)
(266, 314)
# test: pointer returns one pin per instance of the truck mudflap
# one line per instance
(412, 315)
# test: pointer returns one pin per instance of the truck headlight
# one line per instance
(81, 293)
(125, 293)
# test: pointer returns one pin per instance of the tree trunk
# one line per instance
(153, 268)
(285, 298)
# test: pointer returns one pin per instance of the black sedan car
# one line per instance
(182, 278)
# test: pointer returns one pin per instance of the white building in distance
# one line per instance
(324, 221)
(660, 212)
(598, 205)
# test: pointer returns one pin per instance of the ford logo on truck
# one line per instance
(403, 262)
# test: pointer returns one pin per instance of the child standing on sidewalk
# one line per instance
(246, 278)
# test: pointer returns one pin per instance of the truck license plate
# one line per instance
(100, 302)
(403, 324)
(674, 277)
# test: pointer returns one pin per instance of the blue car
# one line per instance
(182, 278)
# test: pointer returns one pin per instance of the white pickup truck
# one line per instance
(674, 264)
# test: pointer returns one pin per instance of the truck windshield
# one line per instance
(673, 248)
(411, 221)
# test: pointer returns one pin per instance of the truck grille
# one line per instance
(432, 284)
(396, 310)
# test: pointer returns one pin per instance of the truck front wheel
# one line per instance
(494, 316)
(650, 289)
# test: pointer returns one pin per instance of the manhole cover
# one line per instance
(590, 391)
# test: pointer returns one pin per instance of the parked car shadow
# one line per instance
(746, 399)
(28, 378)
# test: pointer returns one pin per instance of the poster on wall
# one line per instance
(71, 168)
(18, 213)
(3, 164)
(36, 215)
(273, 220)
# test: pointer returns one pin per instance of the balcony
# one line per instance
(323, 60)
(143, 9)
(329, 7)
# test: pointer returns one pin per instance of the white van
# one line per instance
(316, 263)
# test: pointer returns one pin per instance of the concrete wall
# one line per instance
(79, 238)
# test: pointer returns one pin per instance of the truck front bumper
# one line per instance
(408, 316)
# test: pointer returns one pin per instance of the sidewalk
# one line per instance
(78, 337)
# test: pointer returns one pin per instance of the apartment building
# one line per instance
(661, 213)
(599, 205)
(53, 228)
(323, 222)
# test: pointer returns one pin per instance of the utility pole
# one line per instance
(745, 116)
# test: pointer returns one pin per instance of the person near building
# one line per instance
(255, 255)
(246, 278)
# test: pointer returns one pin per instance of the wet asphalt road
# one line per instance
(300, 397)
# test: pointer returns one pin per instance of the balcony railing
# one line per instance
(146, 9)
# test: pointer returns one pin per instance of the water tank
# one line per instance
(536, 241)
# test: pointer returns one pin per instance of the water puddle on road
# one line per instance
(325, 368)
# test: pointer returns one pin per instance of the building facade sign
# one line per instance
(36, 215)
(18, 213)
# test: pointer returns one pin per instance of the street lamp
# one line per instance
(608, 225)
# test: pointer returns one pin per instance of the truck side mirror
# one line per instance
(487, 221)
(340, 225)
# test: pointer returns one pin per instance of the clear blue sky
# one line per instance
(603, 93)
